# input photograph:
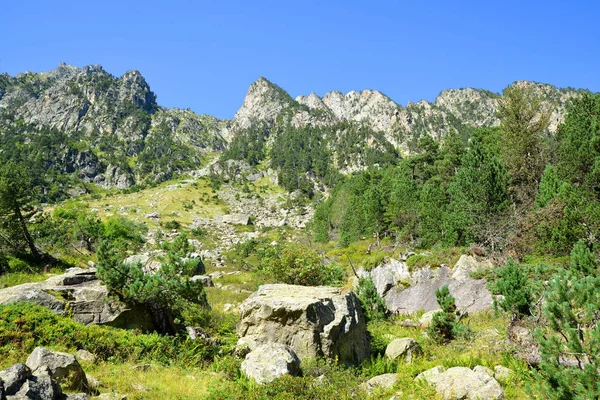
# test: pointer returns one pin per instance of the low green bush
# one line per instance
(298, 264)
(23, 326)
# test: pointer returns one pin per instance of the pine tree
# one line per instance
(570, 346)
(168, 293)
(523, 124)
(443, 326)
(513, 286)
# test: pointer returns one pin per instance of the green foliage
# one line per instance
(246, 248)
(570, 344)
(372, 304)
(167, 293)
(124, 232)
(248, 145)
(23, 326)
(523, 123)
(512, 284)
(298, 264)
(579, 138)
(444, 325)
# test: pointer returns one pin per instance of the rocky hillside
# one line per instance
(401, 125)
(118, 134)
(115, 128)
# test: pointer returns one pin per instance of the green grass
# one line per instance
(18, 278)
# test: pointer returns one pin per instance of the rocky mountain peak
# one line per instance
(134, 88)
(263, 102)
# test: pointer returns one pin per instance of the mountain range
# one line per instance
(117, 123)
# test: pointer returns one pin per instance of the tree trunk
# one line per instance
(34, 251)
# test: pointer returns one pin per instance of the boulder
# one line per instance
(383, 382)
(14, 377)
(387, 276)
(77, 396)
(425, 375)
(236, 219)
(270, 361)
(502, 373)
(87, 297)
(313, 321)
(63, 367)
(427, 317)
(460, 383)
(149, 265)
(39, 387)
(406, 292)
(485, 370)
(471, 294)
(405, 348)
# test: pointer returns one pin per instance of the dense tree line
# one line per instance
(514, 187)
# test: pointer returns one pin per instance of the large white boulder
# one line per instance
(270, 361)
(313, 321)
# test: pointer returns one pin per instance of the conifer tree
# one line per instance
(570, 346)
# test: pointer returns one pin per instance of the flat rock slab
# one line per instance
(313, 321)
(460, 383)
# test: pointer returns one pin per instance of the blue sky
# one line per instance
(204, 55)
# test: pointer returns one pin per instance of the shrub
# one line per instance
(167, 293)
(444, 326)
(23, 326)
(244, 249)
(298, 265)
(570, 344)
(372, 304)
(513, 286)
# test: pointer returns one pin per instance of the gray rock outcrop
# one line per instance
(407, 293)
(460, 383)
(87, 297)
(40, 379)
(270, 361)
(64, 368)
(313, 321)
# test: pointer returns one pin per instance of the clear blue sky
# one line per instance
(204, 55)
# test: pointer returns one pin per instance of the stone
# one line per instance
(387, 276)
(270, 361)
(39, 387)
(85, 355)
(485, 370)
(204, 279)
(502, 373)
(427, 317)
(472, 295)
(14, 377)
(430, 372)
(313, 321)
(383, 382)
(63, 367)
(236, 219)
(88, 300)
(405, 348)
(459, 383)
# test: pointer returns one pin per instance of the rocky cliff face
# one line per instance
(110, 116)
(401, 125)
